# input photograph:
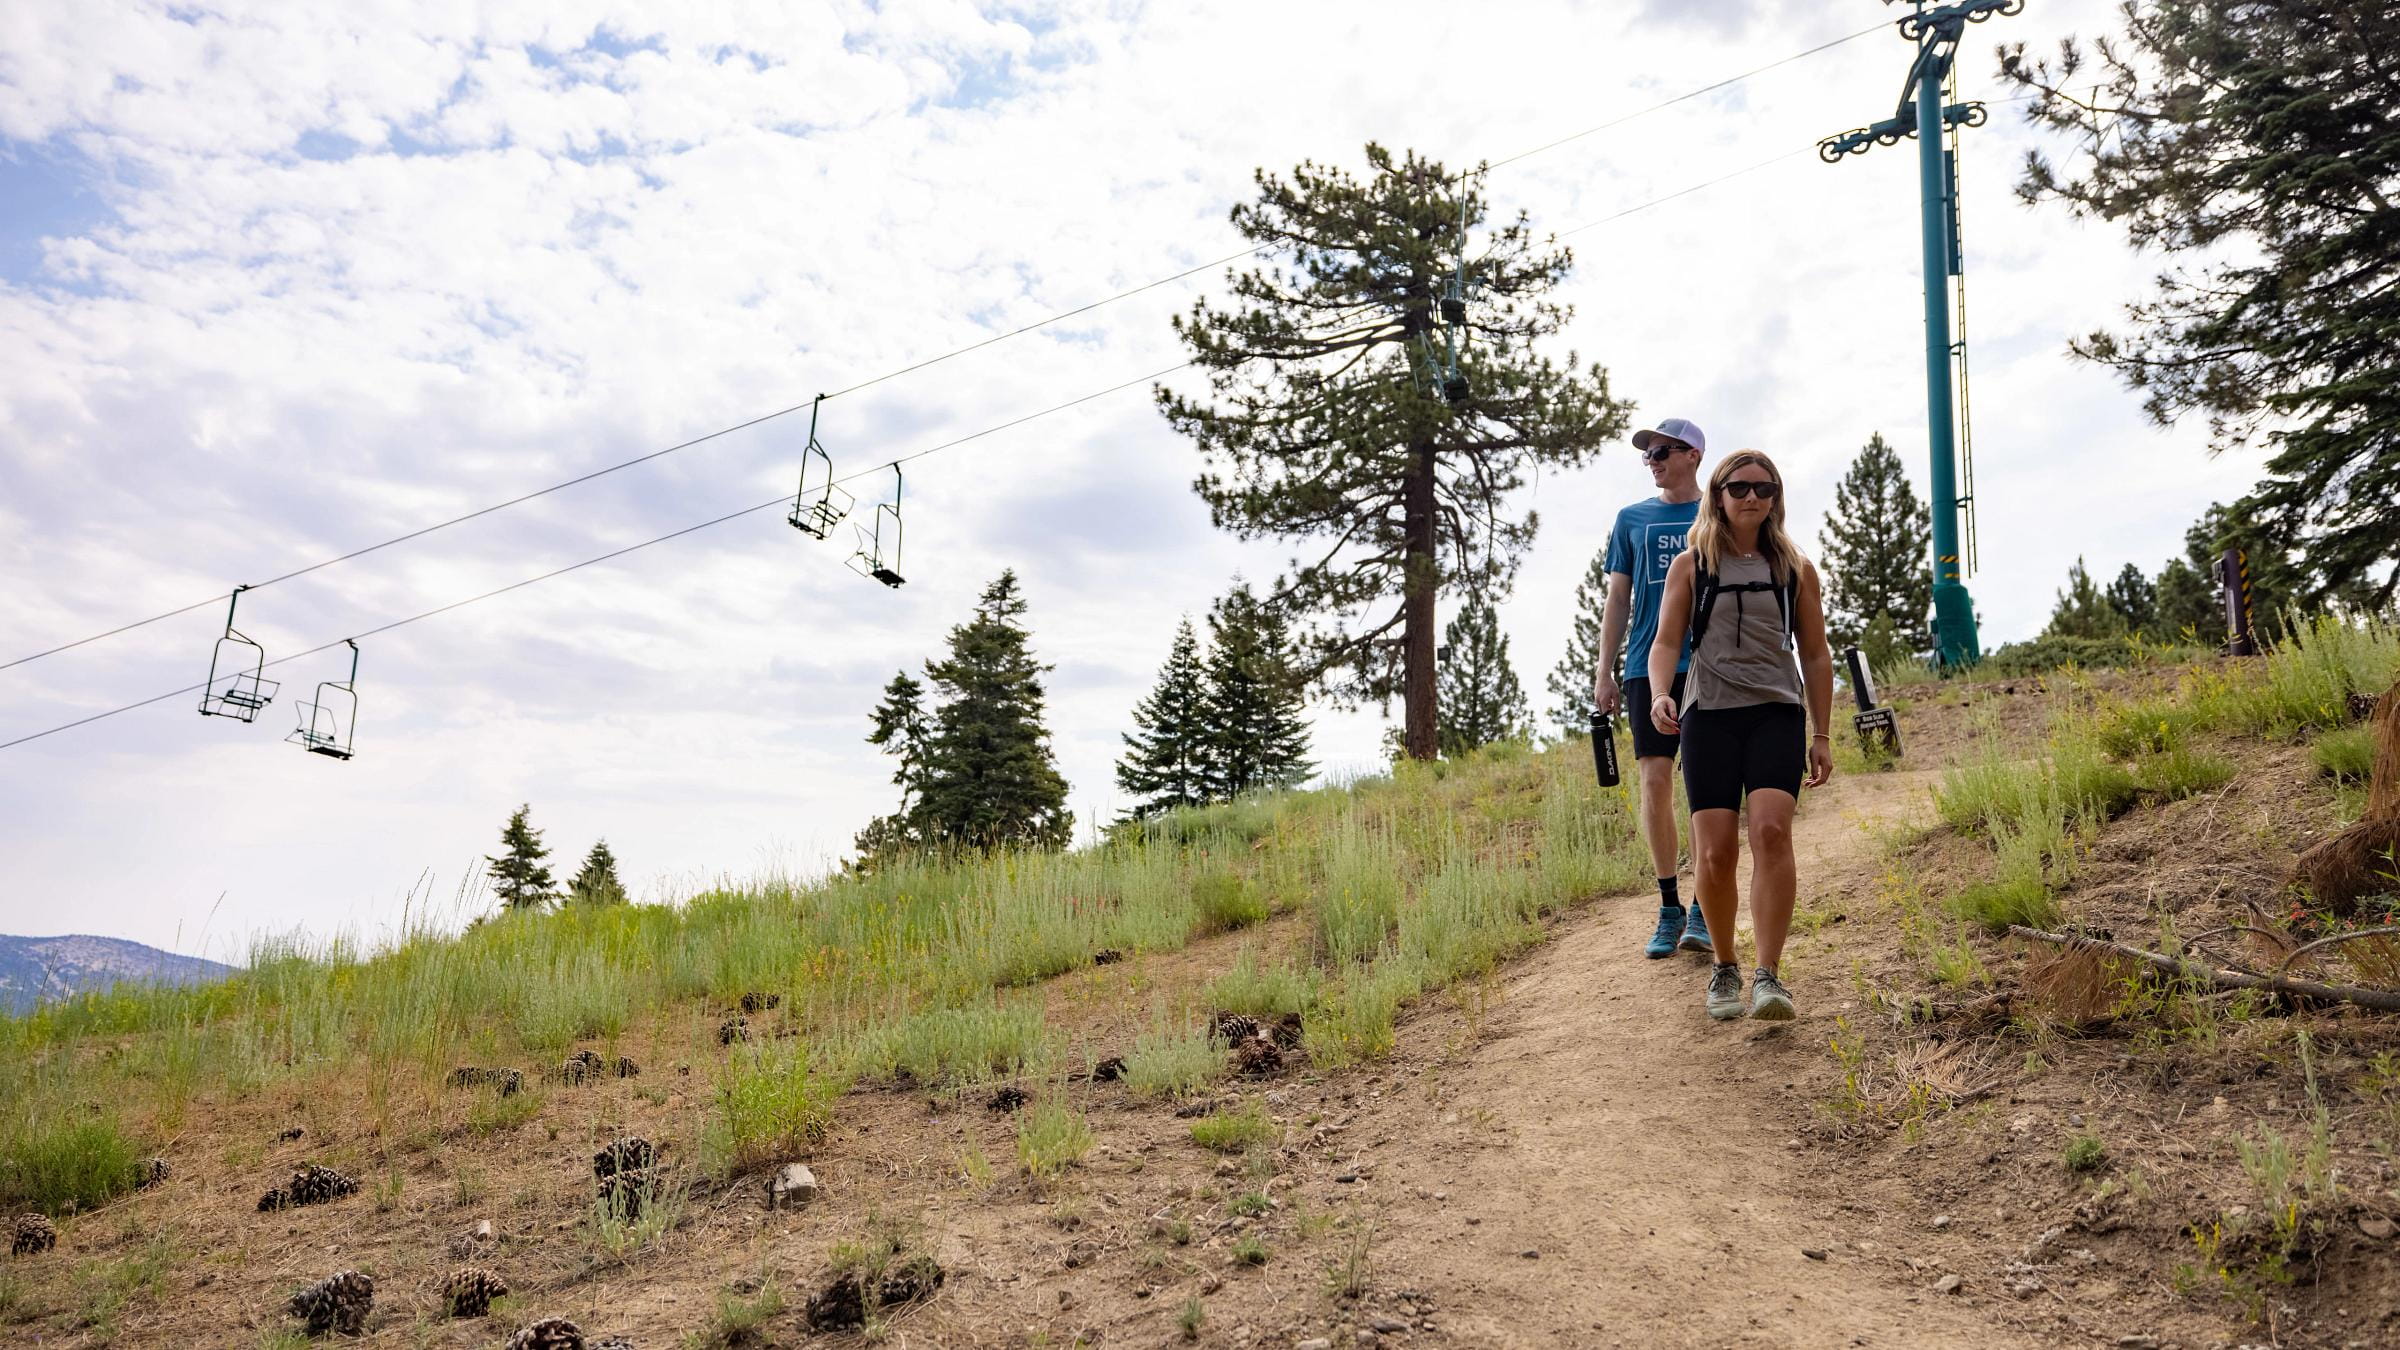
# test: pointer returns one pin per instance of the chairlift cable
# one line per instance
(1061, 316)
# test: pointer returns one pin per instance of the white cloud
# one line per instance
(369, 266)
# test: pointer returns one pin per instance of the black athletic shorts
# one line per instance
(1730, 752)
(1648, 741)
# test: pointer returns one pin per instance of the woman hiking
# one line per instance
(1751, 603)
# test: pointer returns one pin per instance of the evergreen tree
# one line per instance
(1326, 419)
(2259, 143)
(1257, 709)
(1876, 550)
(2083, 610)
(2135, 601)
(518, 874)
(899, 723)
(1481, 699)
(1167, 760)
(597, 883)
(988, 778)
(1571, 683)
(2189, 608)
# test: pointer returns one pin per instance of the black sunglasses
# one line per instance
(1743, 487)
(1659, 450)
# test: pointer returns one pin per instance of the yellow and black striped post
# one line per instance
(2233, 582)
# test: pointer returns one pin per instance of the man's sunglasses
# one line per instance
(1659, 450)
(1742, 487)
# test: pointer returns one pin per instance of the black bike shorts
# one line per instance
(1648, 741)
(1730, 752)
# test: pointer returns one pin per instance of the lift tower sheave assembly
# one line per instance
(1924, 115)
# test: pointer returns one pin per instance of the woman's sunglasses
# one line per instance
(1742, 487)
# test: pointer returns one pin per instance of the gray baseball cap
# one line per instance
(1673, 429)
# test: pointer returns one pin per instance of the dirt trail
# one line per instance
(1645, 1156)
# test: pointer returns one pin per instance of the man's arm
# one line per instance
(1613, 612)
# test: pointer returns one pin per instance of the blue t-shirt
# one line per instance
(1643, 545)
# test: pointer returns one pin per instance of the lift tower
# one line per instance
(1924, 115)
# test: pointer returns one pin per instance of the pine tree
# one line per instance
(2189, 608)
(1325, 419)
(1876, 550)
(2135, 600)
(900, 731)
(1257, 708)
(518, 874)
(1167, 759)
(597, 883)
(1571, 683)
(2257, 145)
(2083, 610)
(989, 780)
(1481, 699)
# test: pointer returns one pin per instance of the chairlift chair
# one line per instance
(237, 685)
(871, 559)
(327, 725)
(821, 504)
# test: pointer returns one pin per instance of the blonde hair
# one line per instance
(1714, 528)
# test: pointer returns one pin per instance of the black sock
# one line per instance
(1666, 892)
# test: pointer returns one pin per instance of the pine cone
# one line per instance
(469, 1291)
(844, 1303)
(757, 1002)
(1107, 956)
(623, 1194)
(32, 1233)
(279, 1198)
(508, 1081)
(1286, 1030)
(1007, 1099)
(287, 1136)
(148, 1173)
(1258, 1056)
(1109, 1070)
(1233, 1028)
(339, 1302)
(625, 1068)
(573, 1071)
(734, 1029)
(629, 1154)
(611, 1343)
(314, 1185)
(467, 1076)
(551, 1333)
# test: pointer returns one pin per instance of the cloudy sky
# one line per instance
(277, 281)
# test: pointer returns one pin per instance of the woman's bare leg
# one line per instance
(1716, 849)
(1774, 877)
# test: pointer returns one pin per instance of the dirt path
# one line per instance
(1608, 1167)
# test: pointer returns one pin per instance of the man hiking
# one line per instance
(1641, 547)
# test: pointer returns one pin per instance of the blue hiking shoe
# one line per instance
(1695, 933)
(1670, 928)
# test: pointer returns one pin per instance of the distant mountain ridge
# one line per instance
(37, 970)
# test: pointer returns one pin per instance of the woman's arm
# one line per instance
(1674, 619)
(1816, 674)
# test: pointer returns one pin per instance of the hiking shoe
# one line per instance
(1769, 1000)
(1695, 933)
(1725, 991)
(1670, 927)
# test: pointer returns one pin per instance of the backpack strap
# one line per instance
(1787, 601)
(1704, 599)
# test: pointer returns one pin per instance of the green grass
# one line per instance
(771, 1108)
(2346, 754)
(1173, 1058)
(1251, 1250)
(2085, 1153)
(1235, 1131)
(2183, 771)
(1226, 901)
(739, 1319)
(60, 1167)
(1051, 1137)
(1258, 991)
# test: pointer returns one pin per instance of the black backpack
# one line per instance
(1787, 600)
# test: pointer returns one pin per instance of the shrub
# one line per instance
(2085, 1153)
(956, 1045)
(58, 1167)
(1997, 904)
(2183, 771)
(1251, 1250)
(1248, 988)
(1173, 1061)
(1234, 1131)
(2347, 753)
(770, 1108)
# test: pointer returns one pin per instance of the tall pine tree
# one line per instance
(518, 874)
(1167, 758)
(1570, 684)
(2135, 600)
(899, 729)
(1326, 419)
(596, 883)
(1257, 708)
(2083, 610)
(1876, 550)
(2258, 146)
(989, 780)
(1481, 699)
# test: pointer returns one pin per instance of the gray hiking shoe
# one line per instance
(1769, 1000)
(1725, 991)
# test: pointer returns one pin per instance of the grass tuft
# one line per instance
(1235, 1131)
(1051, 1137)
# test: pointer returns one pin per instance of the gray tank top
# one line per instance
(1744, 658)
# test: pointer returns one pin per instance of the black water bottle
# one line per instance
(1604, 747)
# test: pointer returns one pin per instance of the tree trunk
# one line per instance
(1422, 579)
(2360, 861)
